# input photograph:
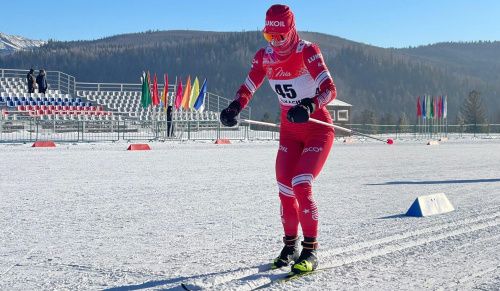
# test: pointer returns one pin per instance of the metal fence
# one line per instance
(429, 131)
(33, 129)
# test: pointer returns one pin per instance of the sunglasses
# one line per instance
(274, 39)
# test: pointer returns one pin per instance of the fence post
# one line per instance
(78, 130)
(117, 126)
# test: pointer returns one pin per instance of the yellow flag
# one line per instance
(194, 93)
(164, 94)
(187, 94)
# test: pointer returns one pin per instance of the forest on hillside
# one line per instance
(382, 82)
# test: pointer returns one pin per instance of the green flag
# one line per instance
(146, 93)
(432, 107)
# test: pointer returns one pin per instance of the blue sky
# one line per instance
(385, 23)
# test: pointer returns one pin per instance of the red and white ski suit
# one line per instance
(304, 147)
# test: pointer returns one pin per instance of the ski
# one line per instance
(291, 276)
(286, 278)
(261, 269)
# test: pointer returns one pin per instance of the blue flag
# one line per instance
(199, 103)
(424, 109)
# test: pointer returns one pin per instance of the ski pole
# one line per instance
(388, 141)
(260, 123)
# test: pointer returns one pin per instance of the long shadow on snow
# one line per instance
(436, 182)
(179, 280)
(402, 215)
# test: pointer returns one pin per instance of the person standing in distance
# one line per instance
(30, 79)
(297, 73)
(41, 81)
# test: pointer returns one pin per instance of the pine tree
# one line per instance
(473, 110)
(404, 122)
(368, 117)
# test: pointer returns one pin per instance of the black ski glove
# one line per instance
(228, 115)
(300, 112)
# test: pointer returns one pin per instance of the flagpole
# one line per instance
(174, 118)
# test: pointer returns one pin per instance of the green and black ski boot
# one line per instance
(289, 253)
(308, 260)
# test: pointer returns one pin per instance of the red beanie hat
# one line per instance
(279, 20)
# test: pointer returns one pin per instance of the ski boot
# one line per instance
(289, 253)
(308, 260)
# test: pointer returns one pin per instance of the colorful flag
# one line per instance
(187, 94)
(428, 104)
(149, 85)
(419, 108)
(445, 107)
(435, 107)
(178, 95)
(164, 94)
(432, 108)
(200, 104)
(424, 109)
(145, 96)
(195, 91)
(156, 99)
(440, 107)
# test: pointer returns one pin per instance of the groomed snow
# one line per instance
(98, 217)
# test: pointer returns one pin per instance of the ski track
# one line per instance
(96, 217)
(249, 279)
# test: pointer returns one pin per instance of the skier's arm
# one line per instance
(319, 72)
(253, 81)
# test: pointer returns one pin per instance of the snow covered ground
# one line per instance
(97, 217)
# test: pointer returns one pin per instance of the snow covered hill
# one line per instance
(12, 43)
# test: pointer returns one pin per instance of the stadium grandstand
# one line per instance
(67, 99)
(78, 111)
(72, 111)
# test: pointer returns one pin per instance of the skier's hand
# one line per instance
(228, 115)
(300, 113)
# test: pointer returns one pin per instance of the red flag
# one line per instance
(178, 95)
(440, 107)
(419, 108)
(156, 99)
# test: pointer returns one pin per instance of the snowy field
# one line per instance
(97, 217)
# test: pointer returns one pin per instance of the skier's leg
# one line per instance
(313, 157)
(286, 160)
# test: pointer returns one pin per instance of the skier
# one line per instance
(297, 73)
